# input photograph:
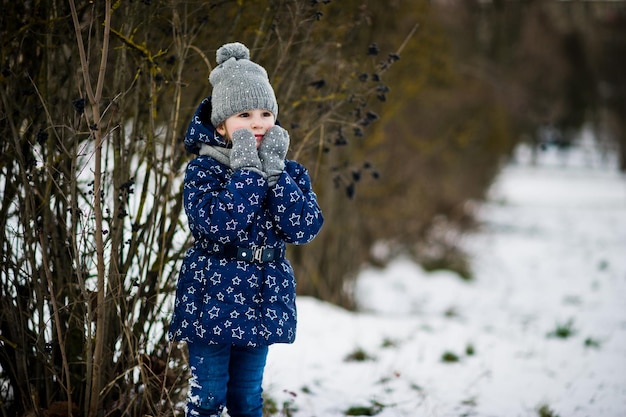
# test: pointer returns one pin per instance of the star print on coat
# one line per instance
(221, 299)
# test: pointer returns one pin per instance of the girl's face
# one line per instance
(256, 120)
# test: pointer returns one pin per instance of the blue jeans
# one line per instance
(225, 376)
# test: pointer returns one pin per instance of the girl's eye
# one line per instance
(267, 114)
(244, 114)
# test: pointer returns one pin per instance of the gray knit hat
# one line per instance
(239, 84)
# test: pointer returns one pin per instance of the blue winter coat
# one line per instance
(221, 299)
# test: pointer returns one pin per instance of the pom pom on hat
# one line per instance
(232, 50)
(239, 84)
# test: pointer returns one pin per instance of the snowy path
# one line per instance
(551, 258)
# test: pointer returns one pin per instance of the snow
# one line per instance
(550, 256)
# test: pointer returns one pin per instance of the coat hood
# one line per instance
(201, 131)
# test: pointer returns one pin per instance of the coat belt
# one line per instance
(260, 254)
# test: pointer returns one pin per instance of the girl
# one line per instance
(244, 202)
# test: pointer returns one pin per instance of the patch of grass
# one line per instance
(389, 343)
(384, 380)
(563, 330)
(451, 312)
(450, 357)
(417, 387)
(545, 411)
(590, 342)
(453, 260)
(470, 402)
(359, 355)
(271, 408)
(573, 300)
(369, 410)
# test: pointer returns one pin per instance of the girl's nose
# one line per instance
(255, 122)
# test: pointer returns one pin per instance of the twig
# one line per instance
(94, 99)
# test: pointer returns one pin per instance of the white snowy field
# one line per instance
(550, 259)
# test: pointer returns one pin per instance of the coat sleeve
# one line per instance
(293, 205)
(219, 205)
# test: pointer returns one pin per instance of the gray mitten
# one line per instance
(272, 152)
(244, 153)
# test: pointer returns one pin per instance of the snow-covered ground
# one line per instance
(550, 258)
